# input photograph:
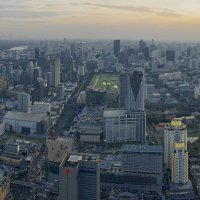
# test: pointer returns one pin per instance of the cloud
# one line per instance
(24, 14)
(139, 9)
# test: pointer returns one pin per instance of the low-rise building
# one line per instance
(25, 123)
(90, 131)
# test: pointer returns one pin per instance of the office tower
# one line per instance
(49, 79)
(79, 177)
(37, 53)
(4, 184)
(71, 68)
(66, 56)
(36, 74)
(29, 70)
(170, 55)
(142, 44)
(23, 102)
(132, 90)
(39, 92)
(121, 126)
(95, 97)
(55, 69)
(175, 151)
(116, 47)
(146, 53)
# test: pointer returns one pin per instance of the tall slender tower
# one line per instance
(175, 151)
(116, 47)
(55, 69)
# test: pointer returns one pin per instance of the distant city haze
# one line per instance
(169, 20)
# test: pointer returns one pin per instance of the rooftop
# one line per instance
(57, 149)
(74, 159)
(24, 116)
(176, 122)
(114, 112)
(142, 149)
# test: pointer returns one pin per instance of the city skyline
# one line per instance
(86, 19)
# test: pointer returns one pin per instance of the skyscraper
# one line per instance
(175, 151)
(79, 177)
(170, 55)
(55, 69)
(116, 47)
(37, 53)
(132, 90)
(23, 102)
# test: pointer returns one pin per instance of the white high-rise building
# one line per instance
(122, 126)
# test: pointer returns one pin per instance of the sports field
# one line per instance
(108, 82)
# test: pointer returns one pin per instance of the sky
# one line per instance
(169, 20)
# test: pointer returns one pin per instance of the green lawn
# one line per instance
(105, 81)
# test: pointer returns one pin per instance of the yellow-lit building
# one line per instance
(179, 170)
(175, 150)
(4, 184)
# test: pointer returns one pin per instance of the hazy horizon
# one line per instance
(100, 19)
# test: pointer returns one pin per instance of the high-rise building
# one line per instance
(170, 55)
(121, 126)
(95, 97)
(175, 151)
(36, 75)
(37, 53)
(29, 70)
(49, 79)
(4, 184)
(23, 102)
(132, 90)
(55, 69)
(40, 90)
(79, 177)
(116, 47)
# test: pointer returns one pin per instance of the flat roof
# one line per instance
(142, 148)
(57, 149)
(112, 112)
(24, 116)
(75, 158)
(176, 122)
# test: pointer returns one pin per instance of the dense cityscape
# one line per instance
(88, 120)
